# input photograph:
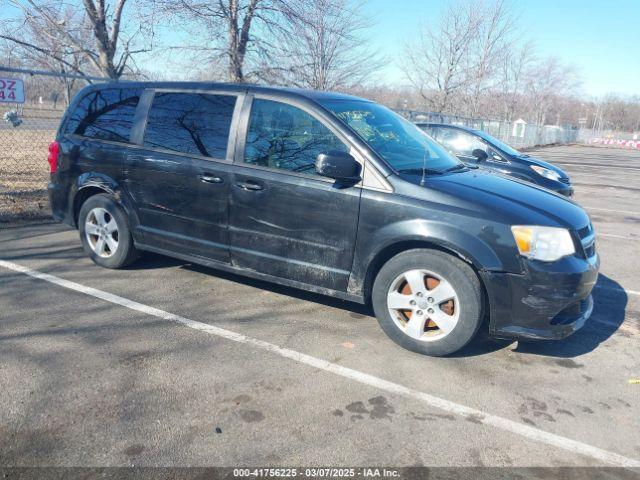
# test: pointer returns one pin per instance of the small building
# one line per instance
(518, 128)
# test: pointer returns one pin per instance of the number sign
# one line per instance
(11, 90)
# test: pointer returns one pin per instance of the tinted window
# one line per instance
(105, 114)
(192, 123)
(283, 136)
(501, 145)
(461, 143)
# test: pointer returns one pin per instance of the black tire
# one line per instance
(125, 253)
(460, 275)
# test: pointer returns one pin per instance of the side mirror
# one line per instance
(481, 155)
(338, 165)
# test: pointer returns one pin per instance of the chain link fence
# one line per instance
(26, 129)
(24, 171)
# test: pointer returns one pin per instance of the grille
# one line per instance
(588, 240)
(565, 180)
(586, 231)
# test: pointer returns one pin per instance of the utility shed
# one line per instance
(518, 128)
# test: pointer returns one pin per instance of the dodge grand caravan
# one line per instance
(324, 192)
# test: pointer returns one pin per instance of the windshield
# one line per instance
(403, 145)
(501, 145)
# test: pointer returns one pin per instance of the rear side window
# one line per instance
(105, 114)
(191, 123)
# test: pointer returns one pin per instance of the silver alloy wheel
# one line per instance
(423, 305)
(101, 230)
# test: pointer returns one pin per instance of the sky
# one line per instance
(601, 38)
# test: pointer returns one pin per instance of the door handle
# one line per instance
(210, 179)
(249, 186)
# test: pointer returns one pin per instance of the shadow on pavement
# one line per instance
(283, 290)
(608, 314)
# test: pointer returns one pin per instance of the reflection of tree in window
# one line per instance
(358, 120)
(105, 114)
(196, 124)
(285, 137)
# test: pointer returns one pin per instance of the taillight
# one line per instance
(54, 151)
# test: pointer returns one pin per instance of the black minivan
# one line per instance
(324, 192)
(476, 147)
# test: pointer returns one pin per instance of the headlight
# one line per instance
(546, 244)
(546, 173)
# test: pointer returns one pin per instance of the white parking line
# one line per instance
(355, 375)
(626, 212)
(595, 175)
(613, 235)
(602, 167)
(578, 183)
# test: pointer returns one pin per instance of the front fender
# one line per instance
(471, 246)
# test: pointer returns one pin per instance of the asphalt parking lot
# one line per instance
(166, 363)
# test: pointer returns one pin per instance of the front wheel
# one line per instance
(105, 233)
(428, 301)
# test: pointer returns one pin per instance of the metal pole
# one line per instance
(54, 74)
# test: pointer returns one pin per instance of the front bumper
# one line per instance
(549, 301)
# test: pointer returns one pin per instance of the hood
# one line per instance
(500, 197)
(536, 161)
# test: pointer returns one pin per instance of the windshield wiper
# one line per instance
(420, 171)
(459, 166)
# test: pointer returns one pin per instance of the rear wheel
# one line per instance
(428, 301)
(104, 232)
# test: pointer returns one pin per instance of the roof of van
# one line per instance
(316, 95)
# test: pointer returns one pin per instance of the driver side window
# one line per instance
(285, 137)
(461, 143)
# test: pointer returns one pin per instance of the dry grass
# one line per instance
(24, 173)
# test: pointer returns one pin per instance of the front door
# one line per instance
(285, 220)
(180, 178)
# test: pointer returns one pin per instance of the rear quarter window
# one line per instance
(105, 114)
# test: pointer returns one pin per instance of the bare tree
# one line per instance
(324, 47)
(614, 112)
(547, 80)
(514, 66)
(59, 57)
(488, 47)
(77, 36)
(238, 17)
(229, 28)
(437, 65)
